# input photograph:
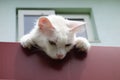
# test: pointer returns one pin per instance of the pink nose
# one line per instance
(60, 55)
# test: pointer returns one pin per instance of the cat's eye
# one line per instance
(52, 43)
(67, 45)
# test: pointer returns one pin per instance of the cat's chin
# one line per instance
(60, 58)
(57, 58)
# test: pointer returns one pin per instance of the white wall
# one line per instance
(106, 14)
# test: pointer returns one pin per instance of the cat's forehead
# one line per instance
(55, 18)
(62, 34)
(58, 22)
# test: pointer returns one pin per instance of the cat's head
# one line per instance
(59, 34)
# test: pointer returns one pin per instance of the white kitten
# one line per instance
(56, 36)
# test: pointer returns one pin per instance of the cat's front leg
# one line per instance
(26, 41)
(82, 44)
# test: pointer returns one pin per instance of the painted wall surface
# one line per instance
(106, 15)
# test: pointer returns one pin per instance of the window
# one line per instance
(87, 32)
(27, 18)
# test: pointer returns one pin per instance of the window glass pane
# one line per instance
(83, 32)
(29, 22)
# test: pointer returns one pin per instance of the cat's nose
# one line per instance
(60, 56)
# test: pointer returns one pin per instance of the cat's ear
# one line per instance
(45, 26)
(44, 23)
(75, 26)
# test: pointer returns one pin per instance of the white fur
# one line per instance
(62, 34)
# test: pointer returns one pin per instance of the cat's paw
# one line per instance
(82, 44)
(25, 41)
